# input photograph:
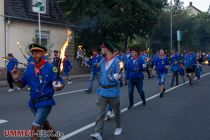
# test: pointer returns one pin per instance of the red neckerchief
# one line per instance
(38, 67)
(107, 60)
(134, 59)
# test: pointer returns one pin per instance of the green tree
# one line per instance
(116, 20)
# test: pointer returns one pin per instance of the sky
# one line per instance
(202, 5)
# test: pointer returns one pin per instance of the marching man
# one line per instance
(11, 65)
(40, 76)
(135, 76)
(108, 92)
(161, 66)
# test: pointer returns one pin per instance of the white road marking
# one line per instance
(123, 110)
(3, 121)
(70, 92)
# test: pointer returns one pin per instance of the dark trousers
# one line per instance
(10, 80)
(147, 70)
(102, 103)
(175, 75)
(138, 83)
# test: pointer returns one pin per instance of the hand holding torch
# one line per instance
(117, 75)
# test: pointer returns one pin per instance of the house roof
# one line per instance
(21, 10)
(191, 5)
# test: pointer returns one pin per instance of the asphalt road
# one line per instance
(183, 114)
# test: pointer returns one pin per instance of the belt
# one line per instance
(137, 70)
(34, 101)
(108, 86)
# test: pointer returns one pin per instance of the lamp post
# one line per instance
(171, 26)
(40, 8)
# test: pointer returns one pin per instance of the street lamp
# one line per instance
(171, 26)
(40, 8)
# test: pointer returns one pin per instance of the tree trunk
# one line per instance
(126, 42)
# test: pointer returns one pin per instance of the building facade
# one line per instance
(19, 23)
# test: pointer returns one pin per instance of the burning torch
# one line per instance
(62, 55)
(20, 48)
(117, 75)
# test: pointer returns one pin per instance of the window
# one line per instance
(44, 6)
(44, 37)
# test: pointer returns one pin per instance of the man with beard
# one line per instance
(39, 76)
(108, 92)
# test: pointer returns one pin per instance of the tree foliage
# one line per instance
(116, 20)
(196, 29)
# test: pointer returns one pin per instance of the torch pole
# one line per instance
(22, 51)
(14, 61)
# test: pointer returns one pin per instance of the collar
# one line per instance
(107, 60)
(135, 58)
(38, 67)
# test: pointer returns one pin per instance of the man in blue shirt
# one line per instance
(154, 60)
(175, 66)
(161, 67)
(146, 60)
(190, 62)
(11, 65)
(40, 76)
(67, 68)
(127, 58)
(135, 76)
(108, 92)
(56, 59)
(94, 70)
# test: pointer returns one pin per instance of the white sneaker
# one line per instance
(96, 136)
(10, 90)
(118, 131)
(69, 82)
(108, 115)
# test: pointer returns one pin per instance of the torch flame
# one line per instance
(121, 65)
(5, 59)
(63, 49)
(206, 62)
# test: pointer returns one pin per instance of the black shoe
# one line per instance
(121, 84)
(88, 91)
(130, 107)
(164, 90)
(161, 95)
(144, 103)
(191, 83)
